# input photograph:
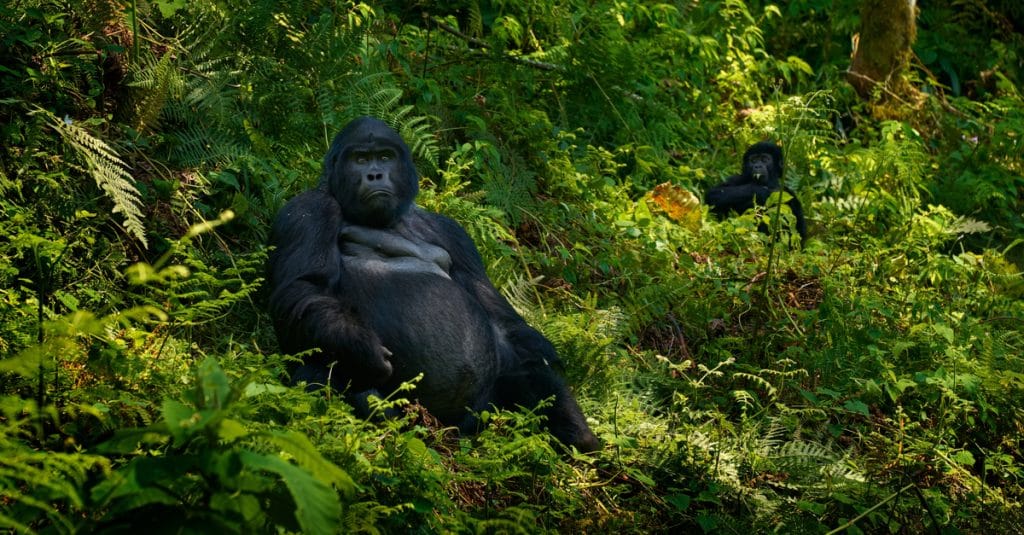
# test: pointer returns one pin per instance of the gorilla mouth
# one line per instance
(377, 194)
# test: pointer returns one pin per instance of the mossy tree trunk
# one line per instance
(882, 50)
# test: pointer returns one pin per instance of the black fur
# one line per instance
(388, 290)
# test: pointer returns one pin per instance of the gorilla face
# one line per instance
(370, 173)
(759, 167)
(762, 164)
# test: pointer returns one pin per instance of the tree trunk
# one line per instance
(881, 51)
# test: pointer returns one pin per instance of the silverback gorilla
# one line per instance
(762, 175)
(388, 290)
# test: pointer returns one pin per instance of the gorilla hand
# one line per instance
(367, 361)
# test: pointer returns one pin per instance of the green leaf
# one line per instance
(181, 419)
(417, 448)
(127, 441)
(800, 64)
(306, 455)
(844, 498)
(244, 505)
(229, 430)
(143, 481)
(944, 331)
(317, 507)
(811, 507)
(25, 363)
(872, 389)
(255, 389)
(680, 501)
(809, 396)
(828, 392)
(963, 457)
(857, 406)
(215, 385)
(708, 523)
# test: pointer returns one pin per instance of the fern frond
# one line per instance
(968, 225)
(800, 453)
(45, 481)
(815, 464)
(759, 381)
(849, 204)
(744, 398)
(374, 95)
(210, 93)
(509, 191)
(109, 171)
(418, 132)
(153, 85)
(475, 25)
(197, 146)
(774, 436)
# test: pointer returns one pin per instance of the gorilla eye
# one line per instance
(360, 157)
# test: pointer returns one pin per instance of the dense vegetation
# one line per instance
(869, 382)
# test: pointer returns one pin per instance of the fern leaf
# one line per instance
(375, 95)
(759, 381)
(154, 86)
(475, 25)
(968, 225)
(196, 146)
(109, 171)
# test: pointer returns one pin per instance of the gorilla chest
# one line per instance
(375, 254)
(430, 323)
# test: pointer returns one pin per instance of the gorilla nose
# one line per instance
(374, 176)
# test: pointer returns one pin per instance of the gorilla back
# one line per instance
(384, 290)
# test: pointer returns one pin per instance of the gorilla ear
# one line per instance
(332, 168)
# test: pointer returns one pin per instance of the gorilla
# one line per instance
(383, 290)
(762, 175)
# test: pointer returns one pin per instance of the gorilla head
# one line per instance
(762, 163)
(369, 171)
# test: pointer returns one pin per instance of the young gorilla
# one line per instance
(762, 175)
(388, 290)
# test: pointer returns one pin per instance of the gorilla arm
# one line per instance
(304, 269)
(736, 194)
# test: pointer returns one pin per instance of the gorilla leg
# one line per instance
(535, 382)
(316, 376)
